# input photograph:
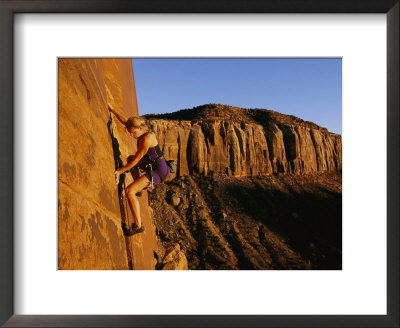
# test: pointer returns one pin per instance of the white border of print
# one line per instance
(360, 288)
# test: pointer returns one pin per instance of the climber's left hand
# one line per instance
(117, 174)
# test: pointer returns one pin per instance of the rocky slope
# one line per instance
(268, 222)
(245, 142)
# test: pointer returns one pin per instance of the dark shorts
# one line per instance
(164, 169)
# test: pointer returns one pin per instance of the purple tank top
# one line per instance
(152, 153)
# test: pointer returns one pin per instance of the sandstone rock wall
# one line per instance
(90, 146)
(247, 149)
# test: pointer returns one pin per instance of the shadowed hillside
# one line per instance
(274, 222)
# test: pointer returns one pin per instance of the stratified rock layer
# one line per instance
(90, 144)
(241, 142)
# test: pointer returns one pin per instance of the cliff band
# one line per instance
(241, 142)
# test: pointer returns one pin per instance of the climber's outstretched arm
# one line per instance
(144, 145)
(120, 117)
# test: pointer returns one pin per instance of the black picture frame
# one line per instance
(7, 173)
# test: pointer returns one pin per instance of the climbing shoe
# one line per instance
(137, 230)
(127, 230)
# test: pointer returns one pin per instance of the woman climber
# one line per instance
(148, 158)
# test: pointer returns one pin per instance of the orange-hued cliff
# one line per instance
(241, 142)
(91, 143)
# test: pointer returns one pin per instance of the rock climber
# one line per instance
(148, 158)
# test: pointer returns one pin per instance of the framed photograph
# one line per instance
(76, 250)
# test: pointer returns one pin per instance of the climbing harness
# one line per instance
(151, 174)
(156, 161)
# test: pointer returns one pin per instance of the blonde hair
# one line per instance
(136, 122)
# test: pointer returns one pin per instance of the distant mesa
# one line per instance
(216, 138)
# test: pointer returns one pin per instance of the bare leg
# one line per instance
(133, 201)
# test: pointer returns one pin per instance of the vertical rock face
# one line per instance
(196, 151)
(277, 153)
(239, 142)
(90, 146)
(307, 155)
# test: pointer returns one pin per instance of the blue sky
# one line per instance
(307, 88)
